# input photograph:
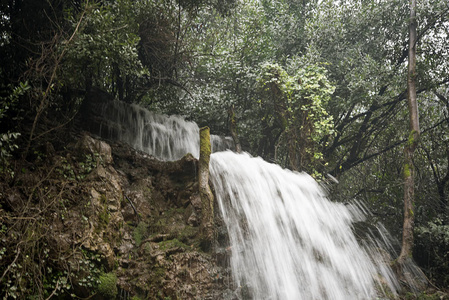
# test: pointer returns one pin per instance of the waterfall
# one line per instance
(287, 240)
(164, 137)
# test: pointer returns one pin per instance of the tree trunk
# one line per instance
(407, 234)
(207, 198)
(291, 144)
(119, 82)
(233, 129)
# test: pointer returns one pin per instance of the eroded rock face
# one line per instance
(151, 238)
(161, 210)
(105, 208)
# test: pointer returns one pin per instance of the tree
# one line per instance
(365, 46)
(413, 140)
(207, 198)
(293, 108)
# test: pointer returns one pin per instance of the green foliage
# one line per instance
(77, 169)
(25, 278)
(33, 265)
(437, 230)
(104, 46)
(295, 105)
(89, 270)
(87, 164)
(230, 51)
(7, 139)
(434, 238)
(66, 169)
(107, 285)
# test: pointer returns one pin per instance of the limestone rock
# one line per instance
(92, 146)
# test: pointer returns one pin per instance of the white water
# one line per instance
(287, 240)
(164, 137)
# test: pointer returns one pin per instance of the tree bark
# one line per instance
(233, 129)
(207, 198)
(409, 192)
(292, 151)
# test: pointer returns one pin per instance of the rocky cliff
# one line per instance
(102, 220)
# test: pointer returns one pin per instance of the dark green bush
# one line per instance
(432, 250)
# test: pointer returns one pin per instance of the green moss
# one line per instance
(158, 275)
(407, 172)
(159, 272)
(189, 232)
(174, 243)
(411, 137)
(103, 219)
(107, 287)
(148, 249)
(140, 232)
(174, 211)
(103, 198)
(104, 216)
(205, 147)
(233, 121)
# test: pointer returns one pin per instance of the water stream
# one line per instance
(164, 137)
(288, 241)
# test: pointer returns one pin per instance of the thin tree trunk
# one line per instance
(291, 144)
(207, 198)
(409, 192)
(233, 129)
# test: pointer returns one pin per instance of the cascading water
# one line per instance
(164, 137)
(287, 240)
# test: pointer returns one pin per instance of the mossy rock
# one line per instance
(174, 243)
(188, 234)
(140, 233)
(107, 286)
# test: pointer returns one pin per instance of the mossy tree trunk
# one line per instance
(207, 198)
(409, 192)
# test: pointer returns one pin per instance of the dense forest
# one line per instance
(319, 86)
